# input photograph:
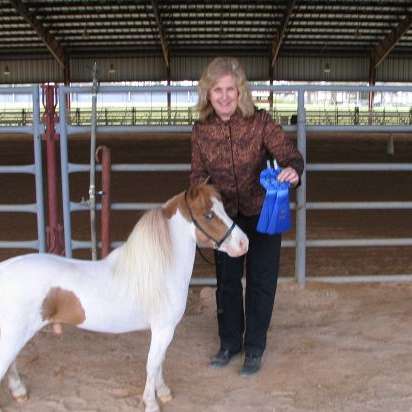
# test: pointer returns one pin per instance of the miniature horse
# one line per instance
(143, 284)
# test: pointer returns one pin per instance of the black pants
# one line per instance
(239, 327)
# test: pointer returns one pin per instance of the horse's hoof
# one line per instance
(20, 394)
(21, 398)
(164, 394)
(165, 398)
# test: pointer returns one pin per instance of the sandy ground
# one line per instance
(330, 348)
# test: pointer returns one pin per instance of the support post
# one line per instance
(371, 94)
(65, 172)
(38, 169)
(92, 185)
(271, 90)
(300, 257)
(169, 100)
(54, 229)
(105, 160)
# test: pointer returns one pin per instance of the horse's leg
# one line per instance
(8, 352)
(13, 336)
(16, 386)
(162, 390)
(161, 338)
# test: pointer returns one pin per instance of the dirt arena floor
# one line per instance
(330, 347)
(340, 348)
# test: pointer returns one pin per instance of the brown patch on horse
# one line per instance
(62, 306)
(199, 197)
(200, 200)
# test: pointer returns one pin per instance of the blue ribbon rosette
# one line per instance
(275, 214)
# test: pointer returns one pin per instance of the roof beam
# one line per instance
(280, 34)
(163, 42)
(380, 52)
(51, 43)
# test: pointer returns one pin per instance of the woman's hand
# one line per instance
(289, 174)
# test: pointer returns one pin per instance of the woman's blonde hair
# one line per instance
(217, 68)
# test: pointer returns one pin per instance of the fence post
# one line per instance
(356, 118)
(133, 116)
(39, 171)
(105, 160)
(65, 171)
(300, 256)
(189, 115)
(78, 116)
(54, 228)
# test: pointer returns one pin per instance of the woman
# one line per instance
(230, 144)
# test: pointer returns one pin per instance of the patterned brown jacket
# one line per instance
(233, 153)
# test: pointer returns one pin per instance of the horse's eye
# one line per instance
(209, 215)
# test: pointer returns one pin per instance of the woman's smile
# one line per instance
(224, 97)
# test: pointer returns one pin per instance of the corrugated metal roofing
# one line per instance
(178, 33)
(152, 68)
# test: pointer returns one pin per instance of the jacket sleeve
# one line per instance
(280, 146)
(198, 172)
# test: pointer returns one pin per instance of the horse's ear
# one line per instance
(206, 180)
(192, 192)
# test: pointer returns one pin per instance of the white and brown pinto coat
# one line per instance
(141, 285)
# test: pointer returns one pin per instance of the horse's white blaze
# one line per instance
(237, 243)
(143, 284)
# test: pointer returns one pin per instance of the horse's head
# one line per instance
(213, 227)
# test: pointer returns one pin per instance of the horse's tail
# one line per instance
(144, 259)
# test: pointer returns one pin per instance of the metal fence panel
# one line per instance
(35, 169)
(301, 206)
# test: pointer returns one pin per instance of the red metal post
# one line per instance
(105, 212)
(55, 242)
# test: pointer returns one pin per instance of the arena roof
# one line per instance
(74, 28)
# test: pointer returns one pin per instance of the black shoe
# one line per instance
(251, 365)
(222, 358)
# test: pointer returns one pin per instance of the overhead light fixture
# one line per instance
(112, 70)
(326, 68)
(6, 71)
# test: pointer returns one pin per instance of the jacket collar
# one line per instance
(236, 117)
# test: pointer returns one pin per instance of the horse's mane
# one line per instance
(144, 259)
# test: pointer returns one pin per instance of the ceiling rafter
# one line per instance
(280, 33)
(163, 41)
(51, 43)
(380, 52)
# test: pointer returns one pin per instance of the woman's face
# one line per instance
(224, 97)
